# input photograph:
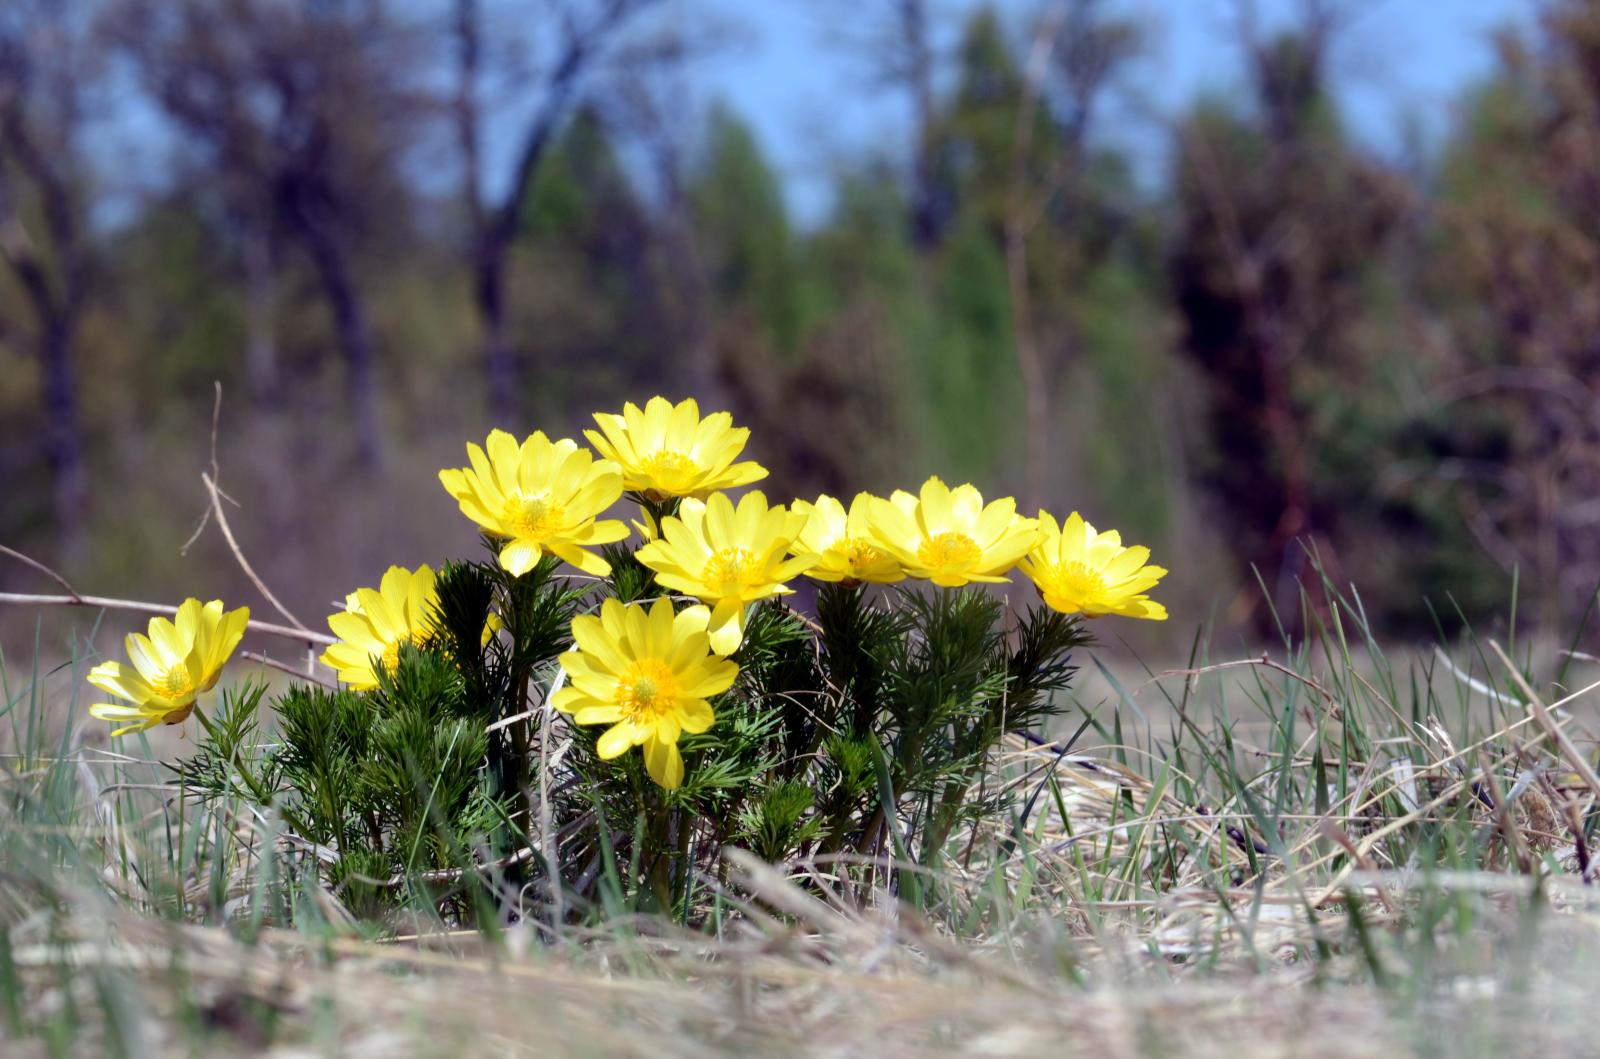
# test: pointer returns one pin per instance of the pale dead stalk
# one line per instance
(238, 554)
(284, 667)
(301, 635)
(1541, 715)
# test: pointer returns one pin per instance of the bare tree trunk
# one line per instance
(686, 279)
(499, 363)
(355, 339)
(925, 223)
(469, 62)
(494, 246)
(1020, 211)
(63, 441)
(261, 341)
(1035, 383)
(488, 259)
(496, 229)
(56, 296)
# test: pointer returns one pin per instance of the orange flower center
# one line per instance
(176, 684)
(859, 554)
(647, 690)
(728, 570)
(949, 549)
(532, 517)
(670, 472)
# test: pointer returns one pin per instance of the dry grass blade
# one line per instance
(1541, 714)
(769, 885)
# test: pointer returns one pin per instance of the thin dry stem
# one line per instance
(300, 635)
(244, 564)
(41, 567)
(284, 667)
(1541, 714)
(1265, 662)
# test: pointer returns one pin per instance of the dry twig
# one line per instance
(305, 636)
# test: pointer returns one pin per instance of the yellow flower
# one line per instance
(949, 536)
(727, 557)
(1081, 571)
(171, 666)
(648, 675)
(843, 542)
(542, 496)
(375, 622)
(667, 450)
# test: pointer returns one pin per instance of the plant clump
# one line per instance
(477, 743)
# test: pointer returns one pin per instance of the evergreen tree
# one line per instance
(744, 235)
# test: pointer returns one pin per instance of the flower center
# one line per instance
(1079, 580)
(672, 471)
(949, 549)
(728, 570)
(175, 683)
(859, 554)
(647, 690)
(532, 517)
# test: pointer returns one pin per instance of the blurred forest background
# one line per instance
(386, 225)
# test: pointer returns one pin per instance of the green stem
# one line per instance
(235, 760)
(262, 795)
(683, 877)
(869, 833)
(943, 820)
(522, 747)
(660, 857)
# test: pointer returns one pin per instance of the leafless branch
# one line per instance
(300, 635)
(42, 568)
(284, 667)
(238, 554)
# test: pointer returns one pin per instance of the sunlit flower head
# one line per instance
(1079, 571)
(376, 622)
(728, 557)
(647, 674)
(172, 665)
(541, 496)
(667, 450)
(843, 544)
(949, 536)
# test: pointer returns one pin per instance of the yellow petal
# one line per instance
(664, 763)
(695, 715)
(615, 741)
(587, 561)
(599, 713)
(519, 557)
(726, 628)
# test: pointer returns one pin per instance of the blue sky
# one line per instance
(810, 97)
